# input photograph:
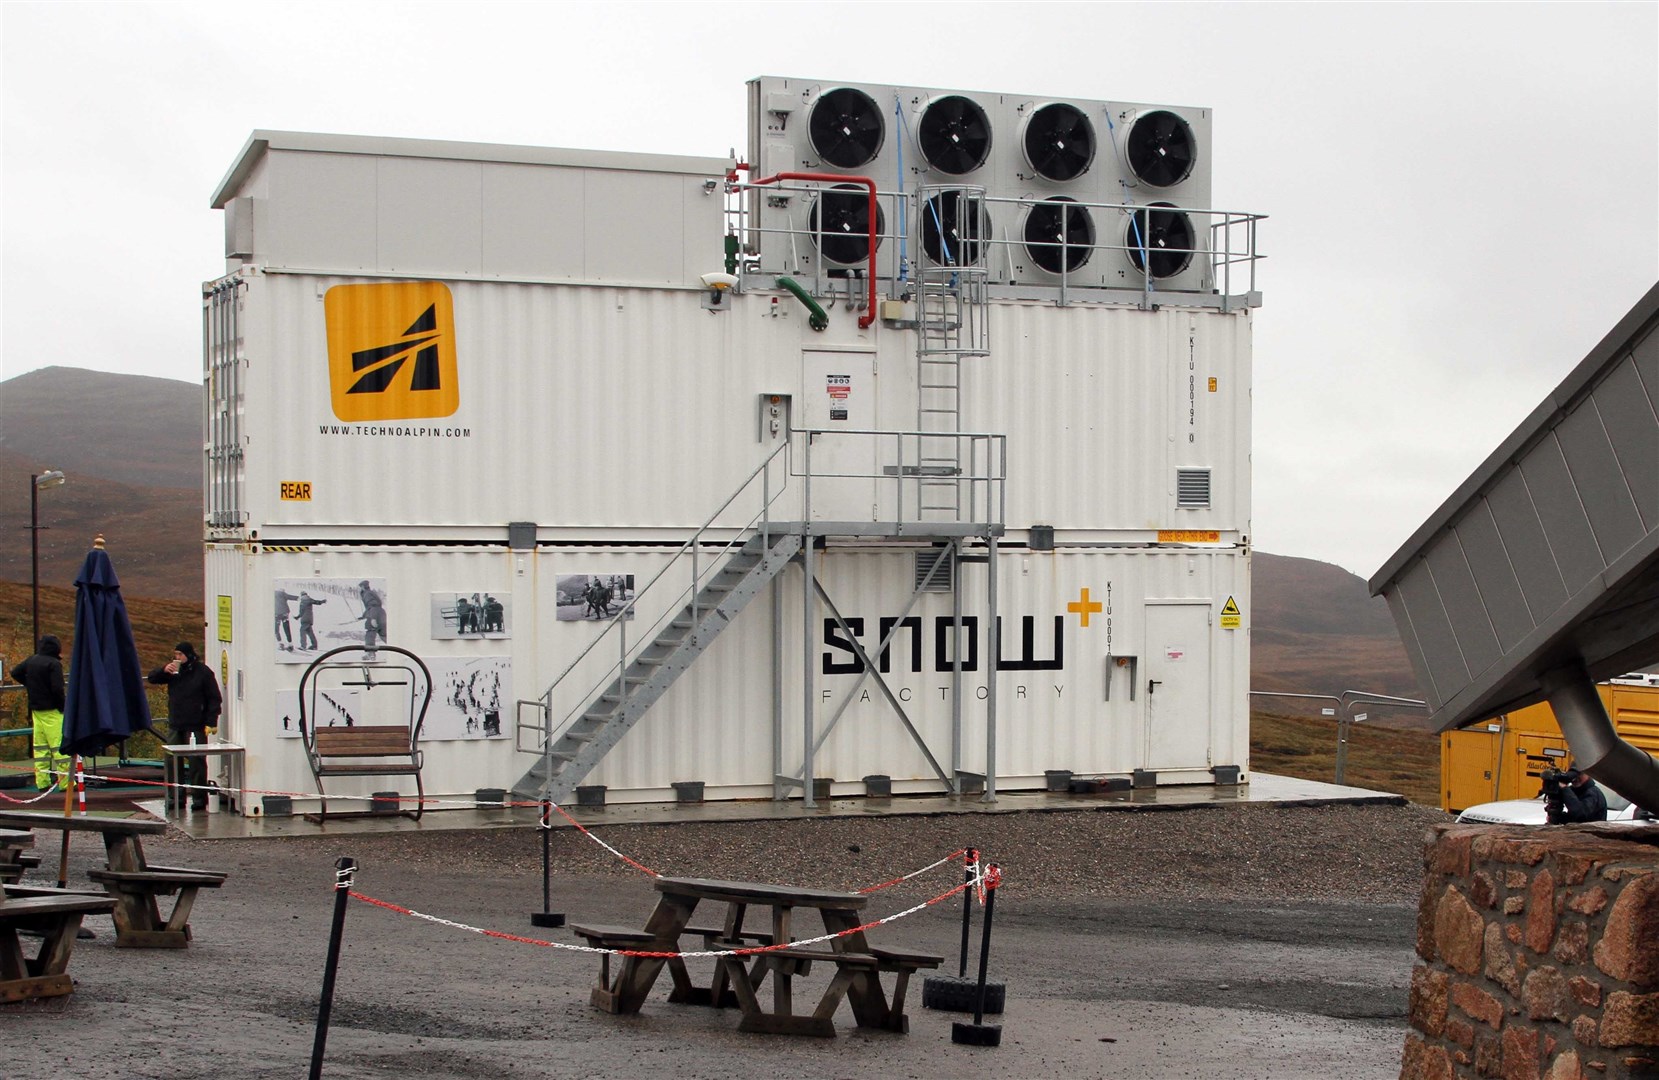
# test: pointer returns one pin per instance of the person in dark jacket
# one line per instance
(193, 704)
(42, 679)
(1581, 799)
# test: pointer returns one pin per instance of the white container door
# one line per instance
(1177, 686)
(839, 395)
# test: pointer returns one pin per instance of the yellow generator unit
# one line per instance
(1501, 759)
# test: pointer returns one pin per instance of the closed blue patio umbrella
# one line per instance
(104, 699)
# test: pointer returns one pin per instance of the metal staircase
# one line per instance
(950, 324)
(569, 756)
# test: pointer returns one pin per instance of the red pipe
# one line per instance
(869, 315)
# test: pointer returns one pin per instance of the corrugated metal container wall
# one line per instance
(580, 408)
(714, 725)
(1101, 406)
(229, 624)
(414, 582)
(598, 410)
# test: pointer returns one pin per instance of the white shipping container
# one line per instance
(625, 413)
(1064, 700)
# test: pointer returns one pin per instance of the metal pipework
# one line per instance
(816, 317)
(1596, 746)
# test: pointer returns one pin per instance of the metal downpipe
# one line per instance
(1596, 747)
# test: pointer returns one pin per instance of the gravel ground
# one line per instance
(1247, 940)
(1365, 852)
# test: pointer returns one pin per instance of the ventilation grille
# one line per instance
(1192, 489)
(944, 579)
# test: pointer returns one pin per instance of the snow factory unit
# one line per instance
(909, 453)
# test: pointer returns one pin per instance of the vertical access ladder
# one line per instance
(951, 323)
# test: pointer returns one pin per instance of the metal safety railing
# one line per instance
(901, 472)
(1083, 250)
(895, 473)
(767, 482)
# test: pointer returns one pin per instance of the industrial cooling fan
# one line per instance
(1059, 235)
(955, 135)
(840, 224)
(953, 225)
(1160, 234)
(846, 128)
(1059, 142)
(1161, 149)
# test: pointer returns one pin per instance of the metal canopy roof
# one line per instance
(1548, 554)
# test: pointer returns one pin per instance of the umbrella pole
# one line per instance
(68, 807)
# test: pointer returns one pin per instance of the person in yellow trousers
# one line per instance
(42, 679)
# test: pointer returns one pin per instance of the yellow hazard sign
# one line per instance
(391, 350)
(1230, 615)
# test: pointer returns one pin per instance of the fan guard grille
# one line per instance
(840, 224)
(1059, 235)
(1165, 232)
(846, 128)
(1161, 149)
(954, 224)
(955, 134)
(1059, 142)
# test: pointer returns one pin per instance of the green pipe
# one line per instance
(817, 320)
(731, 253)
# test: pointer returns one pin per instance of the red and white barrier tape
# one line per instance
(648, 954)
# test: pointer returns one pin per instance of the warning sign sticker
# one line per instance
(1230, 615)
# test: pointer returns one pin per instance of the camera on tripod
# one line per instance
(1554, 780)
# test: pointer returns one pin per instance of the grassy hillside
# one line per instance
(157, 626)
(1401, 760)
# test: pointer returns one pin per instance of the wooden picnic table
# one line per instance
(131, 882)
(55, 915)
(858, 966)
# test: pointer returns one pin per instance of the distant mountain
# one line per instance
(131, 447)
(1317, 630)
(132, 429)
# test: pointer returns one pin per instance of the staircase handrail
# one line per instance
(618, 621)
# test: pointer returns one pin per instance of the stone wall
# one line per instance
(1540, 954)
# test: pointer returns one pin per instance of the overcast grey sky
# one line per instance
(1463, 198)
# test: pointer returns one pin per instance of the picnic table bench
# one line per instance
(133, 884)
(14, 859)
(738, 977)
(55, 916)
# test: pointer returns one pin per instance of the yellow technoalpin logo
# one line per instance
(391, 350)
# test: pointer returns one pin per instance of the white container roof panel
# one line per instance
(406, 207)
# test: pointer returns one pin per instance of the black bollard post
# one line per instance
(344, 868)
(980, 1033)
(972, 867)
(546, 917)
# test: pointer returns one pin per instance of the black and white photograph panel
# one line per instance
(314, 615)
(334, 707)
(594, 597)
(476, 614)
(472, 698)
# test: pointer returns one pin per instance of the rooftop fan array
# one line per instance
(1062, 160)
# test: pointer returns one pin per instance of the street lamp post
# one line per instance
(51, 478)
